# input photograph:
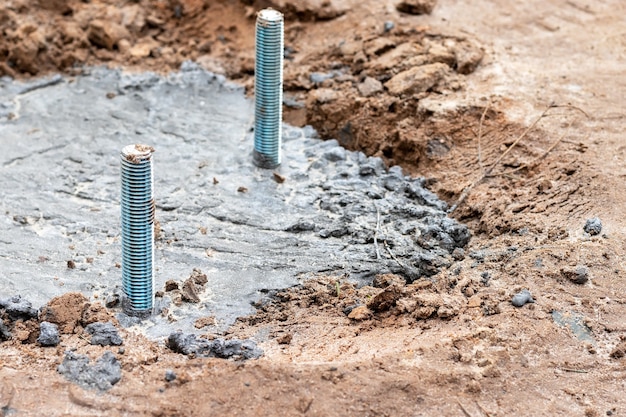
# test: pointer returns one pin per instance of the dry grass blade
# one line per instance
(480, 135)
(536, 161)
(489, 170)
(465, 412)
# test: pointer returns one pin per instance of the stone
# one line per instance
(417, 79)
(521, 298)
(593, 226)
(18, 308)
(49, 334)
(578, 275)
(416, 6)
(170, 375)
(369, 87)
(188, 344)
(5, 334)
(104, 334)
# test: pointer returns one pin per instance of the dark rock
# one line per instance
(593, 226)
(48, 334)
(170, 375)
(18, 308)
(5, 334)
(187, 344)
(171, 285)
(219, 348)
(241, 349)
(416, 6)
(103, 334)
(579, 275)
(102, 375)
(521, 298)
(112, 300)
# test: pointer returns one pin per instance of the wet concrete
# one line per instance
(249, 230)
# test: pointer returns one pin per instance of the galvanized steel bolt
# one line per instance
(138, 209)
(268, 88)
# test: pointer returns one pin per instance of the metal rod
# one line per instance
(137, 214)
(268, 88)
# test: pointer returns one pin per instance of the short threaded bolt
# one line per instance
(137, 207)
(268, 88)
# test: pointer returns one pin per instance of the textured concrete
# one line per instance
(337, 212)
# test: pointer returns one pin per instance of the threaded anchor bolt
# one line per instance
(137, 207)
(268, 88)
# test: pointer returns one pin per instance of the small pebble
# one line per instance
(522, 298)
(580, 275)
(48, 334)
(170, 375)
(388, 26)
(593, 226)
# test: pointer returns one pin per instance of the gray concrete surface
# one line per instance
(337, 212)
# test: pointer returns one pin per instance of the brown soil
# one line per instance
(445, 95)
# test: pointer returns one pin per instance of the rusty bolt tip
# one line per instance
(137, 153)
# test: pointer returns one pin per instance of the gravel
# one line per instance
(593, 226)
(48, 334)
(522, 298)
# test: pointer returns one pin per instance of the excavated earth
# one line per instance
(373, 301)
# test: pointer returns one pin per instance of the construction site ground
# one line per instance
(514, 117)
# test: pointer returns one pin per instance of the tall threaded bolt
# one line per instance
(268, 88)
(137, 229)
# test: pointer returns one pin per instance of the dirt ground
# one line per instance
(456, 96)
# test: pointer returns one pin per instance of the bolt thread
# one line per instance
(137, 210)
(268, 88)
